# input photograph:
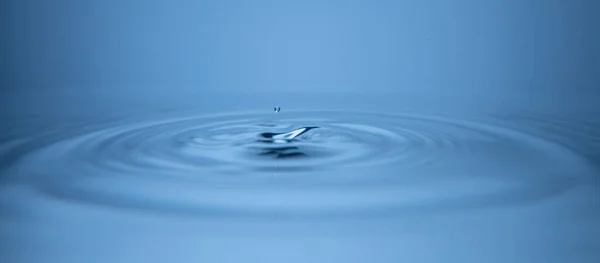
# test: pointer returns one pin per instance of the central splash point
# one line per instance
(284, 137)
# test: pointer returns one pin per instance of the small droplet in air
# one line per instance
(277, 109)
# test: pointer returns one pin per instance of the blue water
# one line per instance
(355, 177)
(299, 131)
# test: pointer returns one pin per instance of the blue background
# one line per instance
(65, 63)
(315, 46)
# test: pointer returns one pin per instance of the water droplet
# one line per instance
(277, 109)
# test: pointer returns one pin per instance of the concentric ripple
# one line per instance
(299, 163)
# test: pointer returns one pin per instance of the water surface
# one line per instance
(354, 178)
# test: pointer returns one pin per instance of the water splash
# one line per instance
(284, 137)
(355, 163)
